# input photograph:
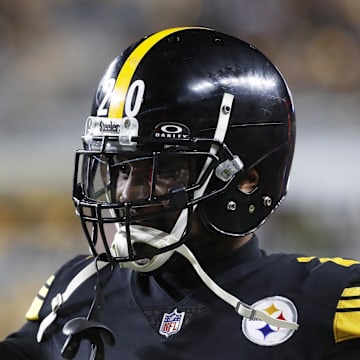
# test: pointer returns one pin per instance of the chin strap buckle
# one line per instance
(253, 314)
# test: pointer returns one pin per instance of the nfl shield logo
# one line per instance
(171, 323)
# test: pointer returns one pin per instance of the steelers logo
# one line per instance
(261, 333)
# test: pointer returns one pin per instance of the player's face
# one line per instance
(135, 181)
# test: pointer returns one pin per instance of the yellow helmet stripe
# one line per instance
(116, 109)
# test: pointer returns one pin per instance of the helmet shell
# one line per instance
(180, 76)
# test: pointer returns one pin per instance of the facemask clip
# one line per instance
(228, 168)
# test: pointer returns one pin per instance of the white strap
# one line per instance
(224, 117)
(240, 307)
(220, 132)
(59, 299)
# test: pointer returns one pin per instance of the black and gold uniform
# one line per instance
(174, 315)
(189, 145)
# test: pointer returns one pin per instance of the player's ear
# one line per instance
(249, 181)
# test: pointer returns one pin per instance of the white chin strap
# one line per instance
(150, 236)
(240, 307)
(142, 235)
(159, 239)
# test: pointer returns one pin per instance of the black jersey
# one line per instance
(173, 315)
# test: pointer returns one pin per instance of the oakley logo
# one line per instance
(171, 131)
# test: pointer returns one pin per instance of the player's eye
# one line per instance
(121, 165)
(124, 169)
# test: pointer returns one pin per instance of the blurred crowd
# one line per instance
(316, 43)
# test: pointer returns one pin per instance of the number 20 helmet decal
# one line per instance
(199, 110)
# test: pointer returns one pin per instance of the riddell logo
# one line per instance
(171, 131)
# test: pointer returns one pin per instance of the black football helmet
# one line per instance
(190, 101)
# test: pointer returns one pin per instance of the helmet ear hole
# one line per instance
(249, 181)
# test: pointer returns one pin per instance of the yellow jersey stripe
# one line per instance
(336, 260)
(347, 315)
(346, 325)
(34, 309)
(43, 292)
(351, 292)
(349, 305)
(305, 259)
(116, 109)
(37, 303)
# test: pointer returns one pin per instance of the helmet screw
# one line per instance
(251, 208)
(226, 109)
(267, 201)
(231, 205)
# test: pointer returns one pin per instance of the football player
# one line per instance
(186, 152)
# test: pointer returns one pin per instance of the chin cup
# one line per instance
(143, 235)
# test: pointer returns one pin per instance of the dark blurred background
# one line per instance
(53, 53)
